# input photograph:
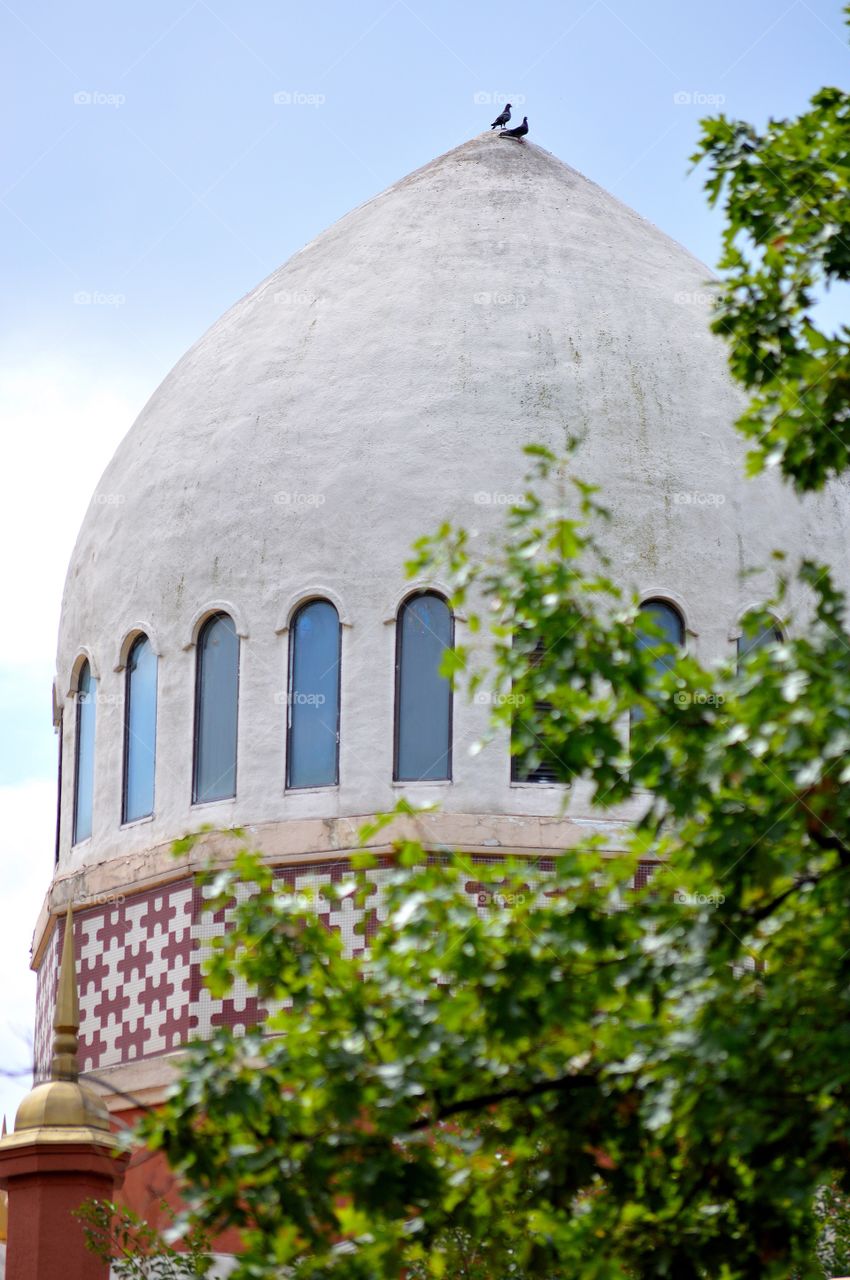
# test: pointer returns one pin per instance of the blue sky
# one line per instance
(150, 178)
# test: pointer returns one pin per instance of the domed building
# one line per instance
(239, 643)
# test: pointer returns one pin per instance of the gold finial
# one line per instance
(62, 1109)
(66, 1020)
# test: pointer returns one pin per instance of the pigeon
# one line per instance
(519, 132)
(502, 119)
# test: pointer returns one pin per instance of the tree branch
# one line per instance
(758, 914)
(484, 1100)
(831, 842)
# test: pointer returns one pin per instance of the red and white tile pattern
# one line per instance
(140, 958)
(45, 1003)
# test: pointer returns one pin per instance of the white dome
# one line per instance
(382, 380)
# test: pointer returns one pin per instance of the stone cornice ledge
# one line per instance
(306, 840)
(135, 1085)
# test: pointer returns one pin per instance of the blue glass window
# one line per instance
(668, 621)
(423, 727)
(527, 740)
(139, 731)
(312, 752)
(61, 736)
(84, 755)
(757, 632)
(216, 707)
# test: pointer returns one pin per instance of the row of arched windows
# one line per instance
(757, 630)
(422, 749)
(423, 709)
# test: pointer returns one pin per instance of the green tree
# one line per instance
(136, 1250)
(578, 1078)
(833, 1247)
(786, 196)
(562, 1086)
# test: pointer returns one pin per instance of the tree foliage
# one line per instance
(574, 1079)
(786, 196)
(540, 1070)
(136, 1250)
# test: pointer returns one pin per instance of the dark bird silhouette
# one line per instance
(503, 118)
(519, 132)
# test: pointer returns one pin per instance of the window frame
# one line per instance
(301, 608)
(85, 666)
(141, 638)
(399, 645)
(59, 767)
(204, 627)
(673, 608)
(636, 713)
(516, 780)
(769, 620)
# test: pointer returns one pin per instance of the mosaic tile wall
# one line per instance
(140, 957)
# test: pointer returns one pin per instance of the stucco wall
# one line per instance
(384, 379)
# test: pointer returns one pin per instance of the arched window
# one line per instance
(60, 730)
(84, 754)
(139, 731)
(216, 704)
(665, 618)
(423, 705)
(527, 740)
(757, 631)
(312, 750)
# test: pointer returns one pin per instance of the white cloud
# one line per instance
(61, 425)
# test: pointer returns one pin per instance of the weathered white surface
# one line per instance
(384, 377)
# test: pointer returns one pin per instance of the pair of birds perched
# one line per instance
(502, 119)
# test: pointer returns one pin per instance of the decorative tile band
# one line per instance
(140, 958)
